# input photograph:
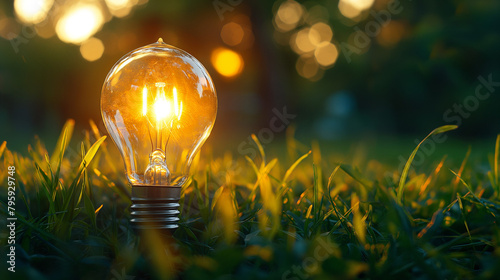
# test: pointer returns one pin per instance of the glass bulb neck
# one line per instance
(157, 172)
(157, 156)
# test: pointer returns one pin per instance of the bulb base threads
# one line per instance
(155, 207)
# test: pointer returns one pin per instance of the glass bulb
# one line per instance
(159, 106)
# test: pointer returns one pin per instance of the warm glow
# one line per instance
(79, 23)
(323, 30)
(227, 62)
(288, 15)
(161, 108)
(118, 4)
(176, 104)
(290, 12)
(353, 8)
(180, 112)
(144, 101)
(159, 105)
(92, 49)
(304, 41)
(120, 8)
(32, 11)
(307, 67)
(232, 34)
(391, 33)
(360, 4)
(326, 54)
(347, 10)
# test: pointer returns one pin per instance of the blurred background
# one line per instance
(362, 70)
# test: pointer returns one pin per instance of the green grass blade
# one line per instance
(292, 168)
(358, 222)
(62, 142)
(495, 160)
(404, 174)
(473, 194)
(252, 164)
(217, 194)
(460, 171)
(466, 185)
(2, 148)
(463, 215)
(261, 149)
(91, 153)
(90, 210)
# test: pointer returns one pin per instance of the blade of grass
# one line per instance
(261, 175)
(217, 194)
(90, 210)
(432, 176)
(292, 167)
(62, 142)
(261, 150)
(404, 174)
(357, 220)
(434, 224)
(91, 153)
(342, 220)
(473, 194)
(463, 215)
(109, 160)
(2, 148)
(460, 171)
(253, 165)
(495, 162)
(76, 190)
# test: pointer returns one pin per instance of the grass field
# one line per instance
(304, 215)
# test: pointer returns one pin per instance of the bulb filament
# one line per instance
(160, 114)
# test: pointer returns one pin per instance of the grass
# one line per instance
(303, 215)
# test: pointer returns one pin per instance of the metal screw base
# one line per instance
(155, 207)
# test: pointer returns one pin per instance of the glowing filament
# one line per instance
(162, 108)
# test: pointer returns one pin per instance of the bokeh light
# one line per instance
(361, 4)
(232, 34)
(326, 54)
(317, 13)
(227, 62)
(120, 8)
(92, 49)
(289, 15)
(79, 23)
(391, 33)
(323, 30)
(304, 41)
(353, 8)
(32, 11)
(348, 10)
(307, 67)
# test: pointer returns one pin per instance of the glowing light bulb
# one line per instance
(159, 106)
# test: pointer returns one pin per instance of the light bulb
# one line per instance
(159, 105)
